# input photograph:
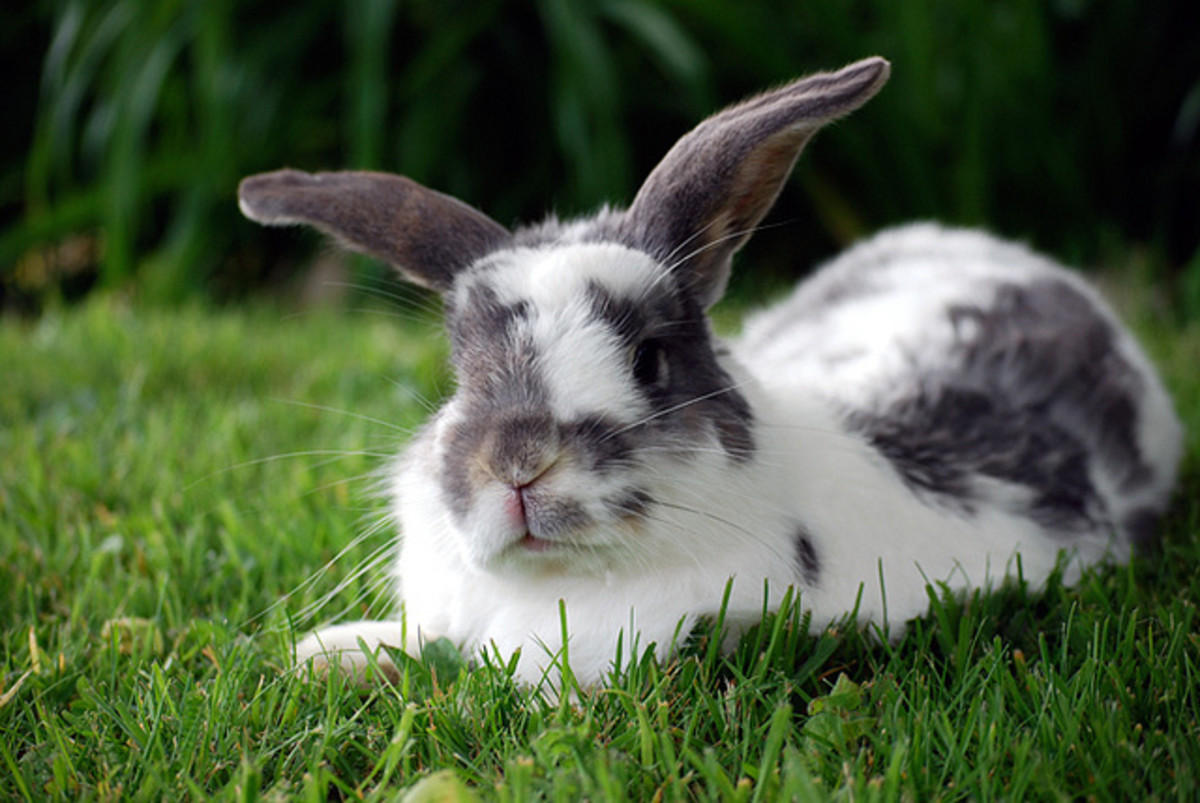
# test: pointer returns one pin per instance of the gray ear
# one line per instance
(424, 234)
(712, 189)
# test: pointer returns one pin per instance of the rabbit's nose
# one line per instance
(515, 507)
(520, 505)
(523, 446)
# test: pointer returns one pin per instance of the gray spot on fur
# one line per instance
(480, 323)
(554, 517)
(1036, 394)
(627, 318)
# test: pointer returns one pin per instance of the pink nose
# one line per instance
(514, 506)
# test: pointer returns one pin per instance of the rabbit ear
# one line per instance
(705, 198)
(425, 235)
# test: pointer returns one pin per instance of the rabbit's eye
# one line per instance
(649, 363)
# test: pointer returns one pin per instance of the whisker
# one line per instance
(724, 239)
(312, 579)
(332, 454)
(377, 598)
(402, 294)
(372, 562)
(685, 243)
(675, 408)
(348, 413)
(427, 404)
(733, 527)
(351, 480)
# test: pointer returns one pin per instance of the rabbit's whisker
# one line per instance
(733, 235)
(349, 414)
(674, 409)
(331, 455)
(313, 578)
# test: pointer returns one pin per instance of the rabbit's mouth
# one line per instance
(556, 523)
(531, 543)
(558, 536)
(539, 555)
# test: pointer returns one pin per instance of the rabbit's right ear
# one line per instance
(427, 236)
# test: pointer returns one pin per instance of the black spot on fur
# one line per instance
(940, 442)
(699, 396)
(736, 436)
(1036, 393)
(1047, 349)
(600, 443)
(649, 363)
(808, 562)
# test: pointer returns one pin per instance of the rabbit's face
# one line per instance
(591, 403)
(586, 380)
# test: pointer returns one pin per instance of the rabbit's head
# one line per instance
(590, 393)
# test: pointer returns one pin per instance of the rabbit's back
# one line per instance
(985, 375)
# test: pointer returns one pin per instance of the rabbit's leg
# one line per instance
(352, 644)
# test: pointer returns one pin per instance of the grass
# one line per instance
(167, 477)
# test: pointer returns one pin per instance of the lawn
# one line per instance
(184, 491)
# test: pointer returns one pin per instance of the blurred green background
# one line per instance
(1069, 123)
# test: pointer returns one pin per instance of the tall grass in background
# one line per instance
(1072, 123)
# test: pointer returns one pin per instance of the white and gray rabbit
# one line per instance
(923, 409)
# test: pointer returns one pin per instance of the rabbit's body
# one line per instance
(985, 419)
(925, 408)
(995, 406)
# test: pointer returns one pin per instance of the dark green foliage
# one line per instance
(1072, 123)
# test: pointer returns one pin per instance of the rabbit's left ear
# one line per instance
(712, 189)
(427, 236)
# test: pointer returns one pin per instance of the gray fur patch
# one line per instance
(633, 504)
(601, 444)
(506, 430)
(1038, 396)
(480, 325)
(552, 518)
(628, 319)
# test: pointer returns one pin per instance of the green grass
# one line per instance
(168, 476)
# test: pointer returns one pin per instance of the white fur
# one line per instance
(798, 364)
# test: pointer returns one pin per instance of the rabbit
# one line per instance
(925, 408)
